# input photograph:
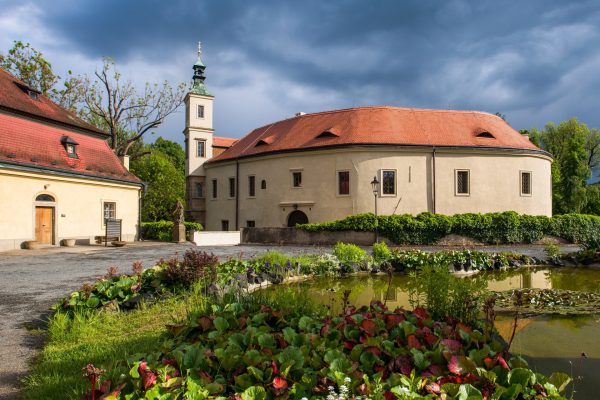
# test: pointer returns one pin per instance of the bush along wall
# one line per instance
(163, 230)
(494, 228)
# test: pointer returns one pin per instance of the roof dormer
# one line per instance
(70, 146)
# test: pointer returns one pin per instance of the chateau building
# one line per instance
(58, 177)
(319, 167)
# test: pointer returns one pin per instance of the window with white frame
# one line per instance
(231, 187)
(297, 179)
(199, 189)
(214, 189)
(251, 186)
(109, 210)
(201, 148)
(462, 182)
(388, 182)
(343, 183)
(526, 183)
(200, 111)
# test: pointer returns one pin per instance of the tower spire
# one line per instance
(198, 78)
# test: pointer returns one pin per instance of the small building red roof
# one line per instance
(28, 143)
(14, 96)
(380, 125)
(223, 141)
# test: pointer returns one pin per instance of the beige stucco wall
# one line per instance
(495, 184)
(78, 211)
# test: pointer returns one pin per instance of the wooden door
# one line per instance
(44, 224)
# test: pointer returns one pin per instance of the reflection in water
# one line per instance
(550, 343)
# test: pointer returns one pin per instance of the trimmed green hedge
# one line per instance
(163, 230)
(495, 228)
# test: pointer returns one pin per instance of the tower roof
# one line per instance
(198, 86)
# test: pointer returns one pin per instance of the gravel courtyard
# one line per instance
(34, 280)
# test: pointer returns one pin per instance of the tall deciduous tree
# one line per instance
(29, 65)
(166, 185)
(172, 150)
(570, 142)
(119, 108)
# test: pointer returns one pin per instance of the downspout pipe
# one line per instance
(433, 181)
(141, 194)
(237, 194)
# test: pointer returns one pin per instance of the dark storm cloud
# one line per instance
(522, 58)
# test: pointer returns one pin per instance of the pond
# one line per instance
(551, 343)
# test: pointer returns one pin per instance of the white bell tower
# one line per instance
(198, 141)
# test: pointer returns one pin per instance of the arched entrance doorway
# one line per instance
(44, 218)
(297, 217)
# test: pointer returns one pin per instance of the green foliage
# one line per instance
(29, 65)
(349, 255)
(196, 266)
(248, 350)
(381, 253)
(166, 185)
(496, 228)
(575, 149)
(172, 150)
(447, 296)
(163, 230)
(552, 250)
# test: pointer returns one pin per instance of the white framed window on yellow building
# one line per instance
(462, 182)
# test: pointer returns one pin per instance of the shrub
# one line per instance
(163, 230)
(552, 250)
(196, 266)
(349, 255)
(496, 228)
(381, 253)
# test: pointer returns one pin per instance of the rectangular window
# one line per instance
(251, 186)
(200, 111)
(201, 151)
(199, 189)
(187, 148)
(214, 188)
(250, 224)
(109, 210)
(343, 183)
(526, 183)
(297, 179)
(224, 225)
(71, 150)
(388, 182)
(231, 187)
(462, 182)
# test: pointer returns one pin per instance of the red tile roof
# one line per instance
(223, 141)
(380, 126)
(14, 96)
(34, 144)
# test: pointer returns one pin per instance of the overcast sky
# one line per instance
(534, 61)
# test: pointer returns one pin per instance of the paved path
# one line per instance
(32, 280)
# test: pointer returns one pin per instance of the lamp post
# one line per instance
(375, 186)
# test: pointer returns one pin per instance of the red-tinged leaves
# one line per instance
(393, 320)
(372, 349)
(451, 345)
(389, 395)
(205, 323)
(431, 339)
(489, 362)
(402, 364)
(461, 365)
(148, 379)
(279, 383)
(435, 370)
(413, 342)
(274, 367)
(421, 313)
(349, 345)
(463, 327)
(324, 330)
(433, 388)
(205, 377)
(502, 362)
(368, 326)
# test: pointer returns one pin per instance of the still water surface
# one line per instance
(550, 343)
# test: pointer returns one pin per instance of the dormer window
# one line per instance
(485, 134)
(33, 95)
(31, 92)
(327, 134)
(70, 146)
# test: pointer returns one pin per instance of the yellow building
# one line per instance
(58, 177)
(319, 167)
